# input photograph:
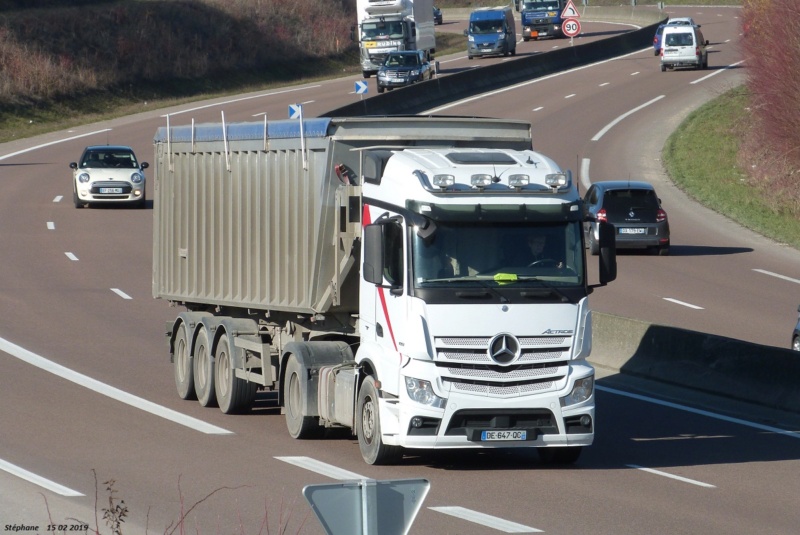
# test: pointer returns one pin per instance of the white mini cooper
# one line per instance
(108, 174)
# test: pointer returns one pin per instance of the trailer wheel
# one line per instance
(299, 425)
(204, 370)
(368, 428)
(182, 365)
(233, 394)
(567, 455)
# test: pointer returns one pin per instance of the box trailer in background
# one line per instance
(369, 271)
(388, 25)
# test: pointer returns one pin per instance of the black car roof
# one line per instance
(108, 147)
(623, 184)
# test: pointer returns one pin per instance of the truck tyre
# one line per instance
(204, 370)
(567, 455)
(182, 365)
(368, 428)
(233, 394)
(299, 425)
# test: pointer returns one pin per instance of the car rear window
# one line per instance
(624, 199)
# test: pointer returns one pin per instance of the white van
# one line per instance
(683, 46)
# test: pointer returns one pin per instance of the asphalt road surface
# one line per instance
(88, 394)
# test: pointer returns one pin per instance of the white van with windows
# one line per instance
(683, 46)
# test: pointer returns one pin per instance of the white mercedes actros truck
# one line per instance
(421, 281)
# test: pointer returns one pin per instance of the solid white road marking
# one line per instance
(706, 77)
(121, 293)
(777, 275)
(701, 412)
(689, 305)
(671, 476)
(107, 390)
(485, 520)
(586, 182)
(260, 95)
(613, 123)
(37, 480)
(23, 151)
(319, 467)
(72, 257)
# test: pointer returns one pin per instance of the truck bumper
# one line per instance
(465, 418)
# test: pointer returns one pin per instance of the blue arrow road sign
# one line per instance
(361, 87)
(295, 111)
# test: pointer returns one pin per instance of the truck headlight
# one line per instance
(581, 391)
(422, 392)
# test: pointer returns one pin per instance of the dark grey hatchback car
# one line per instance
(635, 211)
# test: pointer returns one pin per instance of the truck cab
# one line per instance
(541, 18)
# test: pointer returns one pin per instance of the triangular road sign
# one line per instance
(570, 12)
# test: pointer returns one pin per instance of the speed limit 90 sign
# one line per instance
(571, 27)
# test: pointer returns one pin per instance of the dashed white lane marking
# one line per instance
(570, 95)
(121, 293)
(777, 275)
(109, 391)
(51, 225)
(688, 305)
(341, 474)
(319, 467)
(671, 476)
(485, 520)
(613, 123)
(58, 198)
(539, 108)
(72, 257)
(30, 477)
(586, 181)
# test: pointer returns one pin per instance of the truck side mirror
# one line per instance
(372, 269)
(608, 252)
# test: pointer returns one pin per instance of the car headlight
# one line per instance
(137, 178)
(581, 391)
(415, 72)
(83, 178)
(421, 391)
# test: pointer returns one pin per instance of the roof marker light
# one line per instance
(481, 181)
(556, 180)
(518, 181)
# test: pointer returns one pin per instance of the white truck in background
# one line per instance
(370, 271)
(388, 25)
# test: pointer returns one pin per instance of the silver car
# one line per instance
(635, 211)
(108, 174)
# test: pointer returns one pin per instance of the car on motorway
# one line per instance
(657, 39)
(437, 15)
(108, 174)
(402, 68)
(635, 210)
(683, 46)
(796, 333)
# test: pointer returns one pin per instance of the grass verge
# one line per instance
(701, 157)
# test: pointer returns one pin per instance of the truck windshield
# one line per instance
(541, 5)
(500, 255)
(382, 30)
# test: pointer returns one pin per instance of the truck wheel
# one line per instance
(233, 394)
(566, 455)
(368, 428)
(299, 425)
(182, 365)
(204, 370)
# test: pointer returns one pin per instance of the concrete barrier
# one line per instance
(740, 370)
(417, 98)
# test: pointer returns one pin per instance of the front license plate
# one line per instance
(397, 80)
(503, 435)
(486, 49)
(110, 190)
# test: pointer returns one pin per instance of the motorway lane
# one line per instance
(65, 311)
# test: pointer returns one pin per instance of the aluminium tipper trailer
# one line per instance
(352, 265)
